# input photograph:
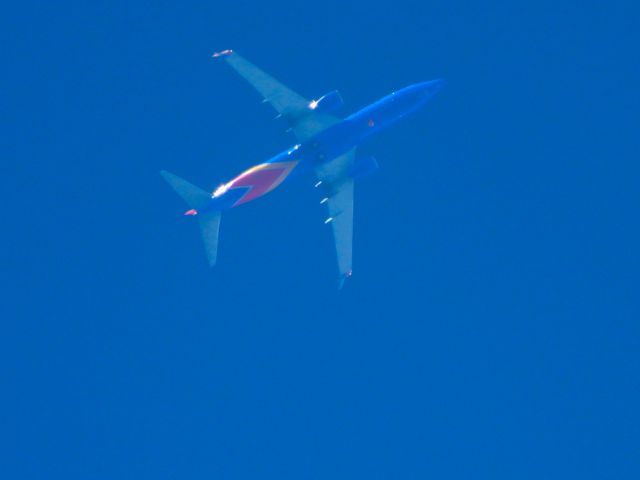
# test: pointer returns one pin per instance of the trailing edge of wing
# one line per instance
(339, 186)
(282, 98)
(304, 122)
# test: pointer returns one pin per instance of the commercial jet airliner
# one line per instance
(326, 146)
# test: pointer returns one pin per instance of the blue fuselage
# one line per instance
(334, 141)
(371, 120)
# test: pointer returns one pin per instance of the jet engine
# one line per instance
(328, 103)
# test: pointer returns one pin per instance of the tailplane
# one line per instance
(210, 226)
(196, 198)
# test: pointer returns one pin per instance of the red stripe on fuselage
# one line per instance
(261, 179)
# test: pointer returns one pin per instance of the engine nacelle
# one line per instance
(363, 166)
(328, 103)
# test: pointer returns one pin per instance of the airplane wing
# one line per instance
(303, 120)
(338, 184)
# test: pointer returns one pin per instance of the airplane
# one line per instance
(327, 146)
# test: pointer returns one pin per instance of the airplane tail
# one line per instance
(197, 198)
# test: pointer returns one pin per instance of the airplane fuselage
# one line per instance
(323, 147)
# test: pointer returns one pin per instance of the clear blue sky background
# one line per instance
(490, 330)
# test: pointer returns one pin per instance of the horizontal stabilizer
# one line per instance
(194, 196)
(209, 221)
(210, 226)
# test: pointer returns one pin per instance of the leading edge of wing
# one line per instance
(281, 97)
(304, 122)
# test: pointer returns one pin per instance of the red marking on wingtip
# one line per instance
(191, 212)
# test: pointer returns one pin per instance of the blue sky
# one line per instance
(491, 326)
